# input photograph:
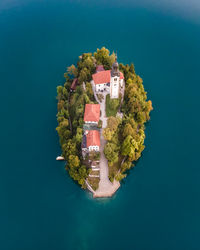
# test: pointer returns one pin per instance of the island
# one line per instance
(102, 111)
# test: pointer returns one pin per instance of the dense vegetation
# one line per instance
(125, 137)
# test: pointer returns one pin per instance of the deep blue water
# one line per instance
(158, 205)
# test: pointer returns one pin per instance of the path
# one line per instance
(106, 188)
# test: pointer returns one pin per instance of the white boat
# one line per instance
(60, 158)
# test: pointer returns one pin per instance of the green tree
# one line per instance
(72, 70)
(128, 130)
(70, 147)
(107, 133)
(73, 161)
(113, 122)
(59, 92)
(129, 146)
(79, 135)
(89, 91)
(103, 57)
(83, 171)
(111, 152)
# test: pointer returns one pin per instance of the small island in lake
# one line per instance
(102, 109)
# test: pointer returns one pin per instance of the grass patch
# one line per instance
(112, 106)
(97, 172)
(94, 182)
(113, 170)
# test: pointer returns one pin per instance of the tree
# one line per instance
(141, 117)
(126, 165)
(59, 92)
(128, 130)
(84, 76)
(120, 176)
(62, 127)
(87, 61)
(100, 124)
(132, 69)
(113, 122)
(60, 104)
(89, 91)
(129, 146)
(111, 151)
(73, 161)
(107, 133)
(70, 147)
(103, 57)
(79, 135)
(72, 70)
(79, 110)
(65, 93)
(83, 171)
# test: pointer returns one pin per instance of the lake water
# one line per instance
(158, 205)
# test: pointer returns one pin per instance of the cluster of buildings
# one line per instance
(104, 80)
(91, 137)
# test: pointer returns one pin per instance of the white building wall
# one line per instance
(121, 82)
(93, 148)
(114, 87)
(91, 122)
(100, 87)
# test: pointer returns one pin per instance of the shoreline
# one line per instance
(104, 193)
(107, 193)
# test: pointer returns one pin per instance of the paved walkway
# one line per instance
(106, 188)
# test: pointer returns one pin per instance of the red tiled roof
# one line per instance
(121, 75)
(74, 83)
(93, 138)
(104, 77)
(99, 68)
(92, 112)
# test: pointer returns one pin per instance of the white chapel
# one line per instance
(109, 80)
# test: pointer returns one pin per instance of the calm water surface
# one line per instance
(157, 207)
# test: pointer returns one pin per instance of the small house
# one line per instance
(92, 113)
(91, 141)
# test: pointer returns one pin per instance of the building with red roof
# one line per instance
(109, 80)
(91, 141)
(92, 113)
(103, 77)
